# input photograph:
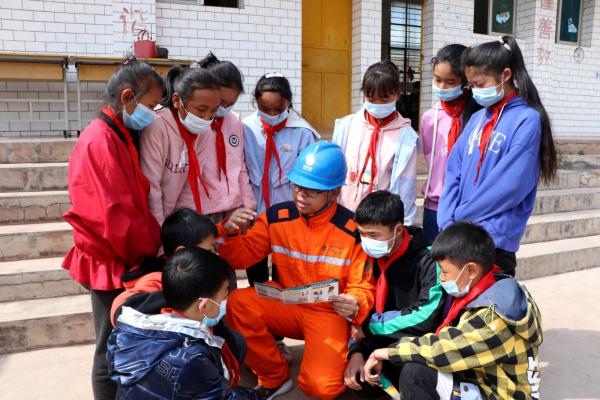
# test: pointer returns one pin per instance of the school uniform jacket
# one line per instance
(110, 230)
(290, 141)
(503, 196)
(307, 251)
(164, 160)
(396, 160)
(494, 344)
(415, 299)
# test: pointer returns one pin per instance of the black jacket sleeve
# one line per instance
(419, 318)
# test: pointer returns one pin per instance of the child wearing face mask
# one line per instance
(441, 126)
(195, 285)
(112, 226)
(409, 298)
(222, 158)
(171, 144)
(493, 171)
(487, 344)
(379, 144)
(274, 137)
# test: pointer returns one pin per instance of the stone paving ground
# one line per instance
(570, 354)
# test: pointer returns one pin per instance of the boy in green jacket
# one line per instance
(487, 345)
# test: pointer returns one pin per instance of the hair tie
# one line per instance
(274, 75)
(503, 43)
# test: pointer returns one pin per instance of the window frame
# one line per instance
(200, 3)
(559, 23)
(491, 16)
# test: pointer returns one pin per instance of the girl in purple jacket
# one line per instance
(442, 124)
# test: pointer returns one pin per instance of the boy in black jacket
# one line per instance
(409, 298)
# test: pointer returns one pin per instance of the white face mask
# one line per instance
(377, 248)
(380, 110)
(195, 124)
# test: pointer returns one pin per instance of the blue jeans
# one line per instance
(430, 226)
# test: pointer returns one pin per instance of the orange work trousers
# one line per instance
(325, 334)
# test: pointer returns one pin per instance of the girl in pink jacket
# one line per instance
(441, 126)
(193, 153)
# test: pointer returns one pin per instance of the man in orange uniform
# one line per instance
(311, 239)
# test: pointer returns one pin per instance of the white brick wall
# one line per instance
(366, 43)
(263, 36)
(570, 91)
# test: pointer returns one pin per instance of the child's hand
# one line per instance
(240, 219)
(374, 364)
(372, 369)
(355, 367)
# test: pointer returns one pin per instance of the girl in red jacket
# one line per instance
(112, 226)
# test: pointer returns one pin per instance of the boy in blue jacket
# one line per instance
(175, 354)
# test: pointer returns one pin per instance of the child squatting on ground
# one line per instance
(487, 344)
(175, 354)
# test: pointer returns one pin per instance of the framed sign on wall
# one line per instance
(502, 17)
(569, 22)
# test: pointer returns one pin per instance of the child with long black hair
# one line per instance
(442, 125)
(493, 172)
(113, 229)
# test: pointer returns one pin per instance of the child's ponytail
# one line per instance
(167, 99)
(504, 53)
(225, 71)
(184, 81)
(522, 81)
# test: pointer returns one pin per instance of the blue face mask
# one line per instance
(274, 119)
(447, 94)
(380, 111)
(223, 111)
(451, 287)
(142, 117)
(211, 322)
(487, 97)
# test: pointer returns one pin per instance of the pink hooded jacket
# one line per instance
(436, 153)
(164, 161)
(396, 160)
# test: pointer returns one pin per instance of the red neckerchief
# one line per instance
(488, 128)
(460, 302)
(382, 285)
(454, 110)
(270, 149)
(194, 174)
(371, 153)
(231, 363)
(142, 181)
(217, 125)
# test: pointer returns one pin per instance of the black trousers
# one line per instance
(507, 261)
(415, 382)
(102, 387)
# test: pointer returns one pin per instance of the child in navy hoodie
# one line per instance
(176, 354)
(492, 174)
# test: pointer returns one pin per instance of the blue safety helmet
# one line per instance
(320, 166)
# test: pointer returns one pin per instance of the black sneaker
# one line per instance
(268, 394)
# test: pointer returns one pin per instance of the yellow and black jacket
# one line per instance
(494, 344)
